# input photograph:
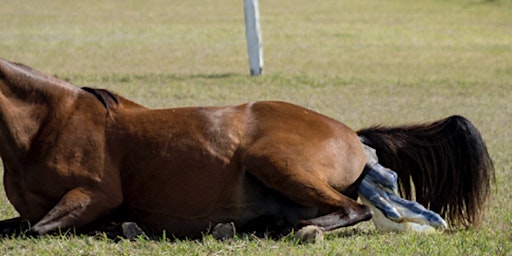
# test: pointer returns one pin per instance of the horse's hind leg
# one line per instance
(307, 188)
(338, 219)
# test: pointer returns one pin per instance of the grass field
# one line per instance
(362, 62)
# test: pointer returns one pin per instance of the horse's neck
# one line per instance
(22, 80)
(26, 100)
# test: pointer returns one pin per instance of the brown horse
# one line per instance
(73, 156)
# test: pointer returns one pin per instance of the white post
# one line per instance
(253, 34)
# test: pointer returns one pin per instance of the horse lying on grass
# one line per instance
(75, 156)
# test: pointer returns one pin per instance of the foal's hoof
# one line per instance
(310, 234)
(132, 231)
(224, 231)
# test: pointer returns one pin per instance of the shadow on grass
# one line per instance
(112, 233)
(125, 78)
(214, 76)
(351, 233)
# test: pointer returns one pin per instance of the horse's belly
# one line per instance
(195, 208)
(184, 199)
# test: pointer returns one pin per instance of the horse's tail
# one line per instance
(446, 161)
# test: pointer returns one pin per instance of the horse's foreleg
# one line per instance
(76, 209)
(13, 226)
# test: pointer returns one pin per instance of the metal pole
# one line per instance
(253, 34)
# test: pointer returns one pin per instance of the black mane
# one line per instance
(107, 98)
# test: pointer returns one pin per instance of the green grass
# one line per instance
(361, 62)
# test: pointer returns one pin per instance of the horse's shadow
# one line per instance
(116, 231)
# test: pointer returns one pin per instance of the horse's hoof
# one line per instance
(310, 234)
(132, 231)
(224, 231)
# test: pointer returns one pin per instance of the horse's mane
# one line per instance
(106, 97)
(447, 161)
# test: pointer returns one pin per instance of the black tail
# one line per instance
(447, 162)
